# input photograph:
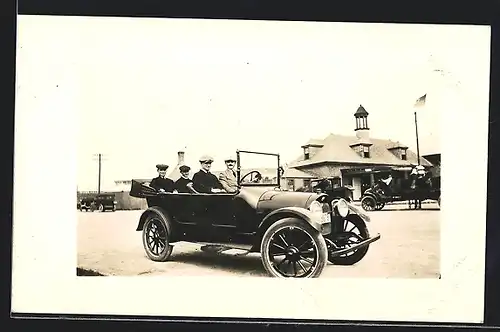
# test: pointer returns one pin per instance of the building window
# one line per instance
(306, 153)
(403, 155)
(366, 152)
(291, 184)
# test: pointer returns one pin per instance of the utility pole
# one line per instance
(416, 132)
(99, 160)
(99, 181)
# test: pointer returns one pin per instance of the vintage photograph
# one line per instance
(188, 152)
(224, 154)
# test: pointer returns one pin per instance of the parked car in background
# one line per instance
(99, 202)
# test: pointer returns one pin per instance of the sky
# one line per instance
(146, 88)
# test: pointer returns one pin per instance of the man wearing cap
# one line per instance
(162, 183)
(203, 180)
(228, 177)
(183, 184)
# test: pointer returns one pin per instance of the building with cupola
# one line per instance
(349, 160)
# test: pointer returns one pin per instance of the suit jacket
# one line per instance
(228, 180)
(162, 183)
(204, 182)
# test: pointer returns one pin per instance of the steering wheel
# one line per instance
(252, 176)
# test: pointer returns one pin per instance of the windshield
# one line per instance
(258, 169)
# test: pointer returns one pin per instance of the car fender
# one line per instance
(153, 209)
(295, 212)
(359, 212)
(370, 194)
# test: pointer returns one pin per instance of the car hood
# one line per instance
(264, 199)
(272, 200)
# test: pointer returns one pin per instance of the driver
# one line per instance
(387, 185)
(203, 180)
(162, 183)
(228, 177)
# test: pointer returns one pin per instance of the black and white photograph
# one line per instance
(231, 160)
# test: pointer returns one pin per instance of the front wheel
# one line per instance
(379, 206)
(354, 230)
(291, 248)
(155, 237)
(368, 203)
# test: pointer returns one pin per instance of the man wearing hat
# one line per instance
(228, 177)
(203, 180)
(183, 184)
(162, 183)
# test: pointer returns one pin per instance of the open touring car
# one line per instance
(296, 233)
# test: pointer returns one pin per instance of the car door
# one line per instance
(189, 213)
(221, 221)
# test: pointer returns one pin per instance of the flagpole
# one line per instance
(416, 134)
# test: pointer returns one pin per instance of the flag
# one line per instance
(421, 101)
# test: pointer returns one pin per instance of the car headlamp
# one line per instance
(341, 208)
(316, 207)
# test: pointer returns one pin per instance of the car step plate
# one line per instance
(234, 252)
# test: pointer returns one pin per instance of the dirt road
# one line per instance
(409, 248)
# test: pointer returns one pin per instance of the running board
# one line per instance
(335, 253)
(226, 245)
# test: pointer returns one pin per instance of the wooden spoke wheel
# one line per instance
(368, 203)
(155, 237)
(354, 230)
(291, 248)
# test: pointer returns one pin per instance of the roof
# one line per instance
(361, 111)
(337, 149)
(313, 142)
(296, 173)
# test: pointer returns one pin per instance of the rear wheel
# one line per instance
(291, 248)
(379, 206)
(368, 203)
(101, 208)
(354, 230)
(155, 237)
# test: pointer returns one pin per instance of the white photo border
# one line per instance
(44, 236)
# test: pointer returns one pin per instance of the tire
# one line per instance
(368, 203)
(439, 201)
(101, 208)
(379, 206)
(297, 235)
(340, 241)
(159, 224)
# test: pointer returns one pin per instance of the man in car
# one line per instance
(162, 183)
(203, 180)
(183, 184)
(386, 185)
(228, 177)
